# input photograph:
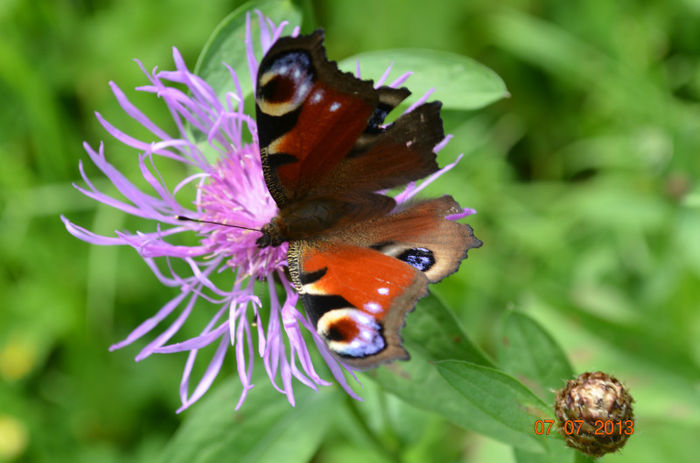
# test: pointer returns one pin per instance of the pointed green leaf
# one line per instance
(459, 82)
(432, 334)
(423, 384)
(501, 406)
(434, 330)
(530, 354)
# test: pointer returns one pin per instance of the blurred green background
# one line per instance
(585, 179)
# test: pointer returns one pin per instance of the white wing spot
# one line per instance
(334, 106)
(383, 291)
(372, 307)
(317, 96)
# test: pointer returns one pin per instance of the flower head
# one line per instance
(228, 191)
(594, 413)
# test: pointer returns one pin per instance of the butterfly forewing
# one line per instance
(309, 115)
(321, 132)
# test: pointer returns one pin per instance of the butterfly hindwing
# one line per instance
(358, 284)
(421, 236)
(357, 298)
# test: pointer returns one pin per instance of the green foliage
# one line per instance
(529, 353)
(266, 430)
(442, 360)
(585, 179)
(459, 82)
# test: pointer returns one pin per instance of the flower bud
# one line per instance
(594, 413)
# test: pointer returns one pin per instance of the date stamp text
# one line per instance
(601, 427)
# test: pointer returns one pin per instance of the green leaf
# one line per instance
(433, 330)
(227, 44)
(423, 384)
(459, 82)
(433, 334)
(530, 354)
(265, 429)
(498, 404)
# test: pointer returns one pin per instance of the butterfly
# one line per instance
(358, 263)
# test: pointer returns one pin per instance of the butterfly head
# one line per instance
(271, 235)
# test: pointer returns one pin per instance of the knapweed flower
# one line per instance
(227, 191)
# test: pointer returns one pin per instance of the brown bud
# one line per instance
(594, 413)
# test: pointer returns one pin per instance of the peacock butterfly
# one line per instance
(358, 263)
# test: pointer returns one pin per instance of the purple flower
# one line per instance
(230, 190)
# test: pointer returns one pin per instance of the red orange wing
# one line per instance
(357, 299)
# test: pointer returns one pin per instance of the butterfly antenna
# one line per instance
(184, 218)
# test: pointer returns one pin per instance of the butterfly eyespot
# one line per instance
(278, 90)
(350, 332)
(334, 333)
(420, 258)
(285, 83)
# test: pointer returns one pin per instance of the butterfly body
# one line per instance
(359, 262)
